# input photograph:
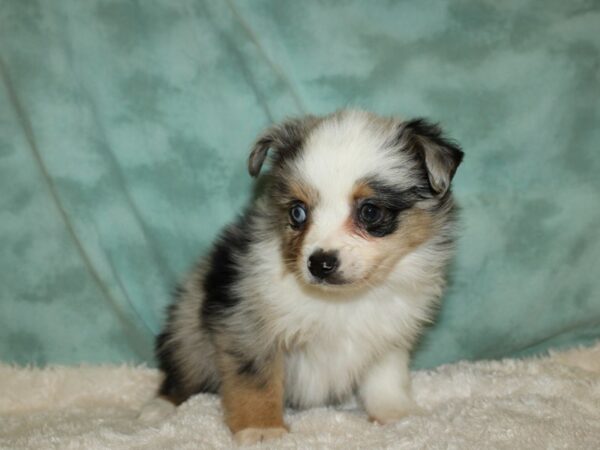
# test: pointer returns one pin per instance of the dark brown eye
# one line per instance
(298, 214)
(370, 214)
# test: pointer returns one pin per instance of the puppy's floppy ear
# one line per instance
(440, 155)
(285, 138)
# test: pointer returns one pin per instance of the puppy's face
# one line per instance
(354, 193)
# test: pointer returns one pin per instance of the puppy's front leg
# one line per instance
(385, 390)
(252, 396)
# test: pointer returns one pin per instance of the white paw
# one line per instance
(249, 436)
(156, 410)
(393, 413)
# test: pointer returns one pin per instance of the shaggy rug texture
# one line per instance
(549, 402)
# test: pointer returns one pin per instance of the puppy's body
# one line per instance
(320, 289)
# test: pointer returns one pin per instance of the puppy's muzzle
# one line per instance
(322, 264)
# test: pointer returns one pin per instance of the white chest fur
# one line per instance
(330, 342)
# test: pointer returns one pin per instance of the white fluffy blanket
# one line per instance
(550, 402)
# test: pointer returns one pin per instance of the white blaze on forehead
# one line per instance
(342, 150)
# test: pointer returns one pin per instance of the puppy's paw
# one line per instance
(393, 413)
(249, 436)
(156, 410)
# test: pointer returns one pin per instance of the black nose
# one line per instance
(322, 264)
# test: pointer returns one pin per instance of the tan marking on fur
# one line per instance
(291, 245)
(362, 190)
(304, 193)
(252, 401)
(415, 228)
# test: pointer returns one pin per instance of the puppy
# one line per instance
(319, 290)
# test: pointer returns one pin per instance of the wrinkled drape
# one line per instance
(125, 125)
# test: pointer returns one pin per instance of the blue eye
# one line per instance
(298, 214)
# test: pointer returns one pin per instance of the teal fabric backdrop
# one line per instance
(125, 125)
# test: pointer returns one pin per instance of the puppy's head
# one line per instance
(352, 193)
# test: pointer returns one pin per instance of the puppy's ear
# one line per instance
(440, 155)
(285, 138)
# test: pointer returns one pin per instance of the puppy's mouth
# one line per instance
(334, 280)
(340, 281)
(339, 287)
